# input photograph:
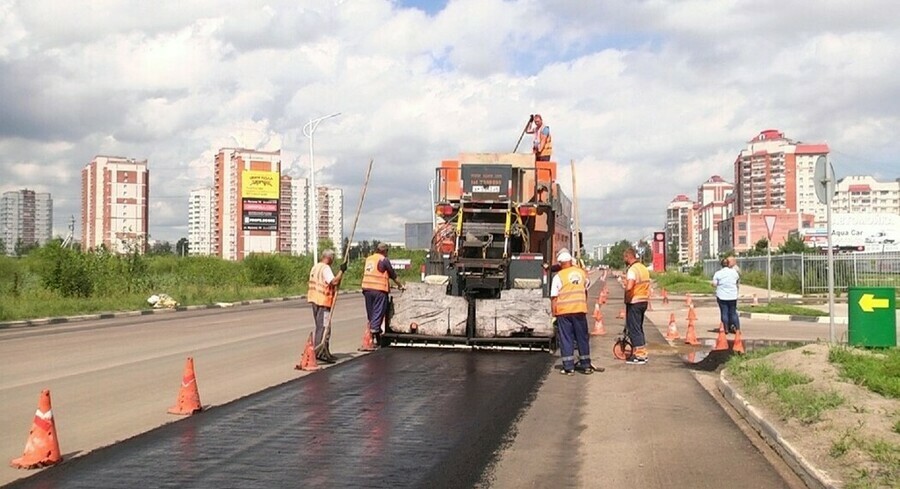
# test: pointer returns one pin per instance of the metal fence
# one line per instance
(809, 272)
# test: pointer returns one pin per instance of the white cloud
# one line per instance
(649, 98)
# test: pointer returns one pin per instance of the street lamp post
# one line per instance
(309, 131)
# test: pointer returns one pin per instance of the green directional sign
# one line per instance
(873, 317)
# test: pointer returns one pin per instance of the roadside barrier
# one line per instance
(188, 401)
(308, 358)
(42, 446)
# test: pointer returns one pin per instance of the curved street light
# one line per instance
(309, 131)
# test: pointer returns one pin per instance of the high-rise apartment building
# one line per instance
(713, 208)
(200, 221)
(26, 218)
(330, 222)
(858, 193)
(246, 190)
(293, 217)
(114, 204)
(773, 176)
(682, 228)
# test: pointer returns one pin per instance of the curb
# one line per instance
(785, 317)
(811, 476)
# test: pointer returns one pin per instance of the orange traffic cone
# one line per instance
(665, 296)
(308, 358)
(690, 338)
(721, 339)
(688, 300)
(738, 342)
(692, 314)
(367, 343)
(755, 300)
(597, 314)
(649, 305)
(599, 328)
(621, 314)
(42, 447)
(188, 401)
(672, 334)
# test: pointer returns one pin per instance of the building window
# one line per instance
(742, 226)
(742, 240)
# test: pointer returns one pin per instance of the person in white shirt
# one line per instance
(726, 281)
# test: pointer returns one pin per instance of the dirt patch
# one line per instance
(856, 442)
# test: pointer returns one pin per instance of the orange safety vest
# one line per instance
(319, 292)
(572, 298)
(548, 147)
(372, 278)
(641, 290)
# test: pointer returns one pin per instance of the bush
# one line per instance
(278, 270)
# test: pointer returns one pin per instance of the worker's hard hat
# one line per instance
(563, 256)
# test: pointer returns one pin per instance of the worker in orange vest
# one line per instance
(376, 284)
(323, 284)
(568, 301)
(637, 294)
(542, 144)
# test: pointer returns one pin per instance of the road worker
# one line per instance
(376, 284)
(542, 144)
(568, 302)
(323, 284)
(637, 294)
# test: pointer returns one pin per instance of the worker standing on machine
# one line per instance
(542, 144)
(568, 301)
(376, 284)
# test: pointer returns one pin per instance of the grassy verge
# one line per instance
(789, 309)
(878, 372)
(681, 283)
(783, 390)
(885, 469)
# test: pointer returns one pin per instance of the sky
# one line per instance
(647, 98)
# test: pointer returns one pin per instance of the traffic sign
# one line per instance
(873, 321)
(823, 178)
(770, 224)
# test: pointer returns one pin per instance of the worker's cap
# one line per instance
(564, 256)
(542, 188)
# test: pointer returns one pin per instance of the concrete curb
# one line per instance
(785, 317)
(811, 476)
(147, 312)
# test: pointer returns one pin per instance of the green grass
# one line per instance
(777, 308)
(785, 390)
(885, 457)
(878, 372)
(681, 283)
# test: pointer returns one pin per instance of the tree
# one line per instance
(2, 247)
(325, 244)
(182, 248)
(672, 255)
(21, 249)
(645, 252)
(161, 248)
(614, 258)
(794, 244)
(759, 249)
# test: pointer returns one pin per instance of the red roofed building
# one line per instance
(774, 175)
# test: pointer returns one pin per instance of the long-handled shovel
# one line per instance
(322, 348)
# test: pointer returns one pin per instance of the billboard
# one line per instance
(872, 231)
(659, 251)
(259, 200)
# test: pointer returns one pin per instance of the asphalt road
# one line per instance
(113, 379)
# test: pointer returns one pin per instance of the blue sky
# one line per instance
(648, 98)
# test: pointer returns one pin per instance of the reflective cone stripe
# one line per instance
(672, 334)
(42, 446)
(188, 401)
(599, 328)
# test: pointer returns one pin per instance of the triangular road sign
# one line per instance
(770, 224)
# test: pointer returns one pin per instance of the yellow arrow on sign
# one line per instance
(869, 303)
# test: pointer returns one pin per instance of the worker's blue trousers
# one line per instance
(573, 328)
